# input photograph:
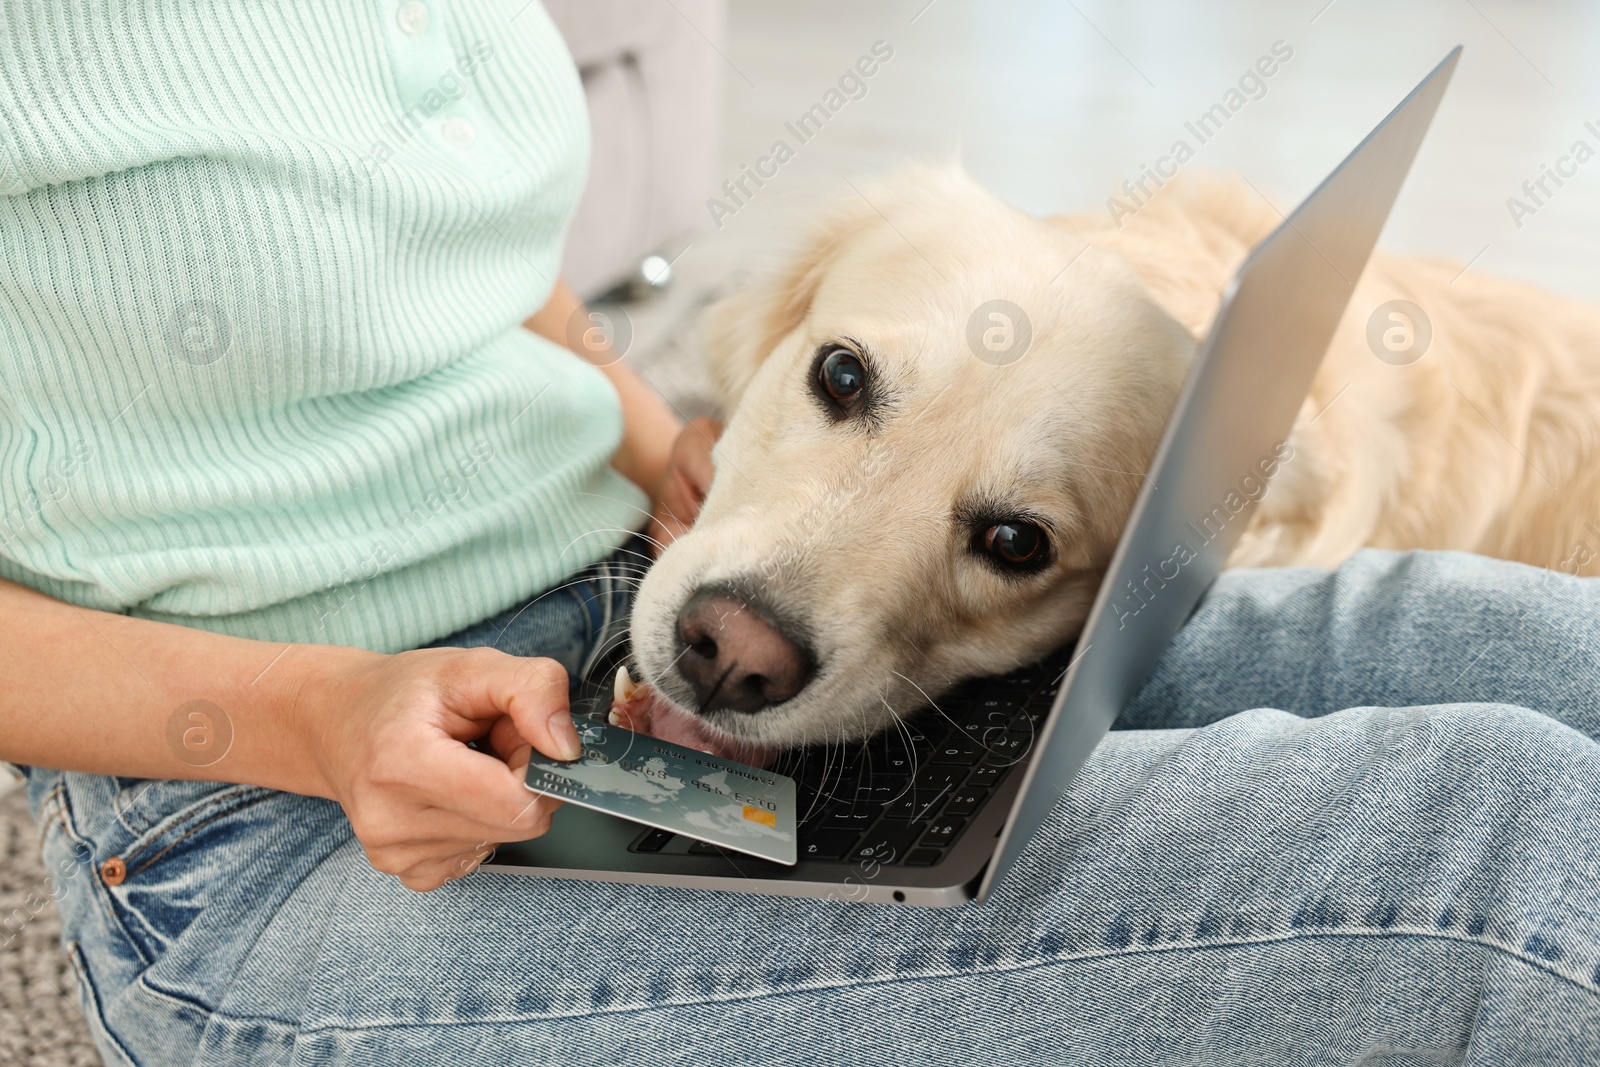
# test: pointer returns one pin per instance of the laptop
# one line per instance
(936, 814)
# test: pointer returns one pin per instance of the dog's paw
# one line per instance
(641, 709)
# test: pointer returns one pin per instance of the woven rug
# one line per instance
(40, 1025)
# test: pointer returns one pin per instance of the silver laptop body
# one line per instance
(1239, 402)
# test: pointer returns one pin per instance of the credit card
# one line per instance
(671, 787)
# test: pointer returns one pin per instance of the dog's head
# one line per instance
(940, 418)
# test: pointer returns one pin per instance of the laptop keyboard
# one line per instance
(905, 796)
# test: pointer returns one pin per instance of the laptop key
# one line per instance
(986, 777)
(936, 778)
(898, 761)
(828, 844)
(903, 740)
(855, 817)
(831, 791)
(923, 857)
(888, 842)
(1004, 751)
(882, 788)
(915, 805)
(965, 801)
(958, 750)
(829, 777)
(813, 818)
(942, 831)
(998, 723)
(654, 841)
(1003, 703)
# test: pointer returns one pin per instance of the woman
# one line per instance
(288, 436)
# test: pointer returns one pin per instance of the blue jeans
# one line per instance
(1399, 865)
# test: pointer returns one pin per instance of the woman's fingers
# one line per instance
(698, 439)
(438, 831)
(428, 816)
(531, 692)
(688, 478)
(508, 743)
(430, 865)
(479, 787)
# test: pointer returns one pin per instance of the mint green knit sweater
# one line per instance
(261, 273)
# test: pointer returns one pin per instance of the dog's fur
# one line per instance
(856, 535)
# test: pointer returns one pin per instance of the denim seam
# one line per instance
(194, 827)
(189, 1005)
(52, 806)
(186, 816)
(132, 807)
(838, 987)
(95, 1015)
(1477, 1015)
(121, 809)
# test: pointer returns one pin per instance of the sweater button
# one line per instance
(413, 17)
(113, 871)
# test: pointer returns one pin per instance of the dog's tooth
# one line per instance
(613, 718)
(624, 687)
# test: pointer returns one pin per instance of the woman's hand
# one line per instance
(648, 423)
(687, 480)
(391, 744)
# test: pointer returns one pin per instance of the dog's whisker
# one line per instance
(611, 529)
(911, 755)
(590, 533)
(932, 704)
(834, 766)
(624, 530)
(944, 675)
(635, 507)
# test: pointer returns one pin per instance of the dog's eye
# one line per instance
(1014, 544)
(841, 375)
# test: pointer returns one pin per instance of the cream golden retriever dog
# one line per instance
(895, 510)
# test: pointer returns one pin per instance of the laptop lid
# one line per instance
(1237, 406)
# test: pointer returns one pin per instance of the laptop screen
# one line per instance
(1228, 434)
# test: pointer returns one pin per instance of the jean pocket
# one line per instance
(161, 880)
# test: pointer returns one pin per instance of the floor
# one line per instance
(1052, 103)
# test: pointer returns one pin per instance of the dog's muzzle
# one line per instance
(735, 657)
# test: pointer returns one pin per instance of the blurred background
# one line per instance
(1052, 104)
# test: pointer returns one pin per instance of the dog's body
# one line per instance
(882, 477)
(1489, 442)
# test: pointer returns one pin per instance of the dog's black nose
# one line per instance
(737, 658)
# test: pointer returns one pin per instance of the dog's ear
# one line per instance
(741, 330)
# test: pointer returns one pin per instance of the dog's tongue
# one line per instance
(641, 709)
